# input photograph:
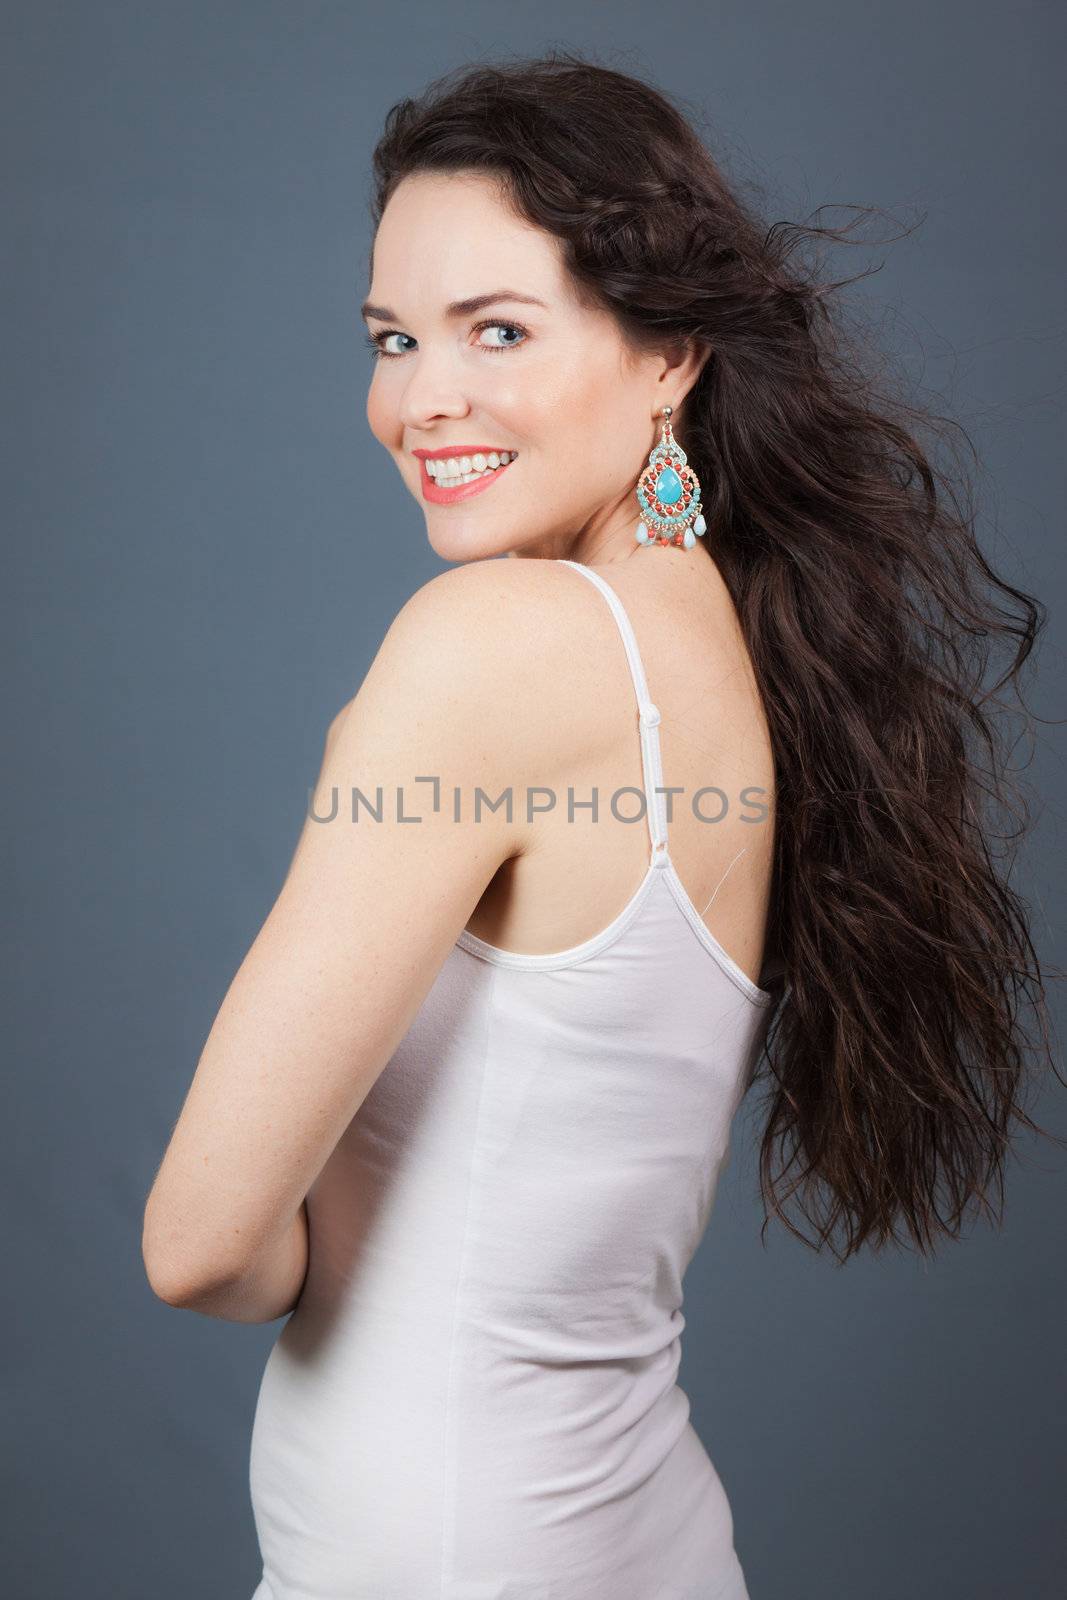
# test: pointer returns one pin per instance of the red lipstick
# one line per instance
(437, 494)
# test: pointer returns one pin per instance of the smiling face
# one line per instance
(484, 347)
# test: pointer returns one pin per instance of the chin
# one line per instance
(459, 544)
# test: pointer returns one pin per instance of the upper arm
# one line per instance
(367, 914)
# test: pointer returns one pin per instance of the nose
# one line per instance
(433, 389)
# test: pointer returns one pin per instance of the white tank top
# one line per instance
(476, 1396)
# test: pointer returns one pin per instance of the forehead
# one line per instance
(444, 236)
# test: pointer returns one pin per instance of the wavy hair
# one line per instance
(896, 1053)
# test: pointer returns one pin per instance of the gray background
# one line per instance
(206, 548)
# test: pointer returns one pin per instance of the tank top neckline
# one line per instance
(660, 866)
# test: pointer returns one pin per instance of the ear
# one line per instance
(681, 366)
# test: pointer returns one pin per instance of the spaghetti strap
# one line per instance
(648, 719)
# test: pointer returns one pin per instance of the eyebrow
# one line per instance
(457, 308)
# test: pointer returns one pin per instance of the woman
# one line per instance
(465, 1105)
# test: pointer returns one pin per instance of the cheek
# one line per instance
(381, 412)
(589, 404)
(595, 429)
(551, 392)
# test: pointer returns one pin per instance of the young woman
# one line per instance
(701, 756)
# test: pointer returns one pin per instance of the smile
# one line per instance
(446, 479)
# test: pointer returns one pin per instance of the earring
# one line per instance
(668, 492)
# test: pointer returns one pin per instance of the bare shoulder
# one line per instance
(483, 659)
(492, 604)
(499, 624)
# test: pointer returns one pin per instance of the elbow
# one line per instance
(180, 1288)
(164, 1283)
(172, 1278)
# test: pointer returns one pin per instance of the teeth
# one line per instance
(453, 482)
(457, 470)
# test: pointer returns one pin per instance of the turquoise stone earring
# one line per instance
(668, 492)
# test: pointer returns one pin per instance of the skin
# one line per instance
(582, 411)
(496, 674)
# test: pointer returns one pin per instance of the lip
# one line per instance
(459, 450)
(437, 496)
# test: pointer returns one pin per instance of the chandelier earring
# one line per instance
(668, 492)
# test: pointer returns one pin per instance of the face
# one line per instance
(530, 374)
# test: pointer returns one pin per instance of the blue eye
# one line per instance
(376, 341)
(512, 327)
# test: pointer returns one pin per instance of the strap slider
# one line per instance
(650, 716)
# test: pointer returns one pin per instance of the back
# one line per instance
(578, 866)
(476, 1396)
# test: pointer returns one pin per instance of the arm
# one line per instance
(271, 1287)
(366, 917)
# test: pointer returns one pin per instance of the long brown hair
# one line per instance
(896, 1052)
